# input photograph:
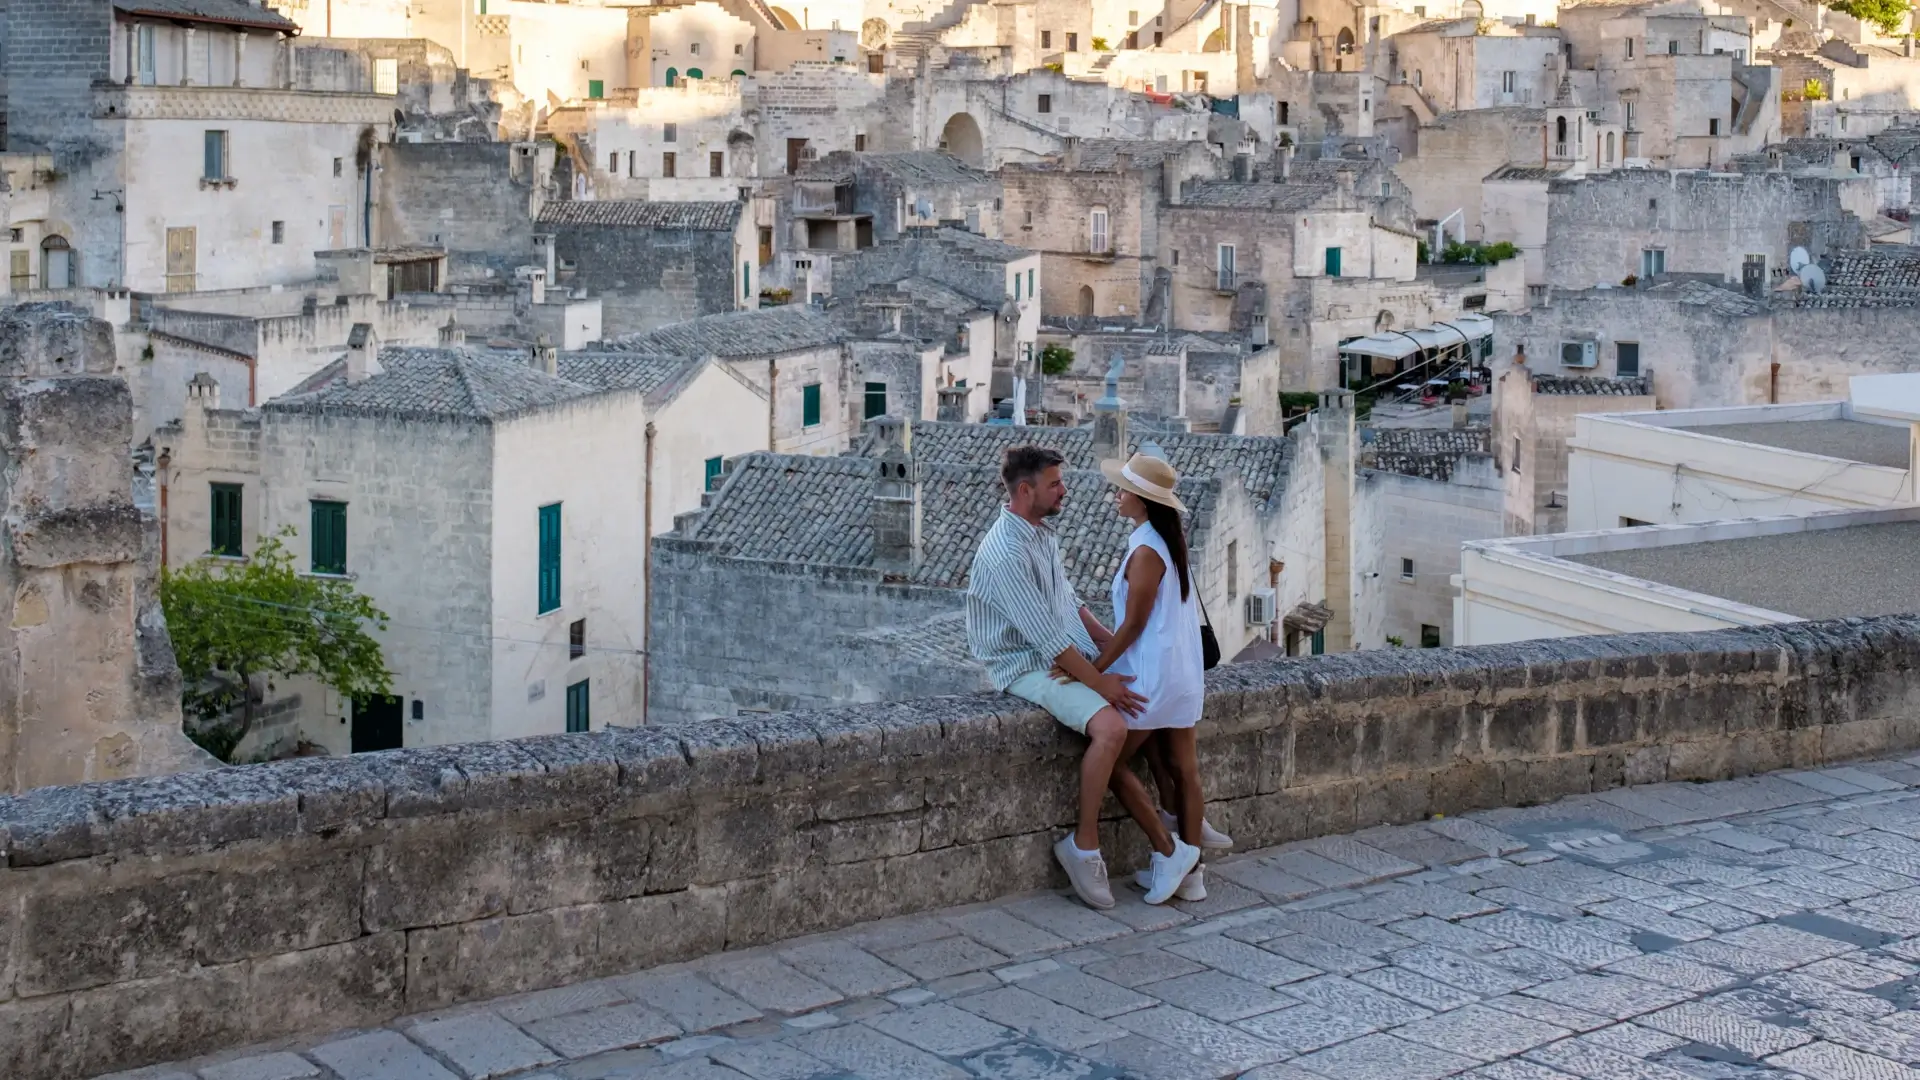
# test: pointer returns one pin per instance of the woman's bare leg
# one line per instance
(1133, 795)
(1183, 749)
(1164, 781)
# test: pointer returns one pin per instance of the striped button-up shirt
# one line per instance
(1021, 609)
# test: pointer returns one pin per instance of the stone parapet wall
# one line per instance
(152, 920)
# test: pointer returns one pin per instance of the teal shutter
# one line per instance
(549, 557)
(714, 465)
(226, 520)
(596, 88)
(579, 717)
(1319, 643)
(216, 156)
(329, 537)
(746, 281)
(810, 405)
(1333, 262)
(1030, 293)
(876, 400)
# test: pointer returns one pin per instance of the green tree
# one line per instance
(1056, 360)
(1888, 15)
(230, 622)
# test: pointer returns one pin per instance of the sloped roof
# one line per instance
(1526, 172)
(1430, 453)
(431, 384)
(925, 167)
(1594, 385)
(224, 12)
(765, 332)
(645, 372)
(641, 214)
(1238, 195)
(935, 294)
(1887, 275)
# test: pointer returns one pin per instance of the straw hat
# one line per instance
(1148, 477)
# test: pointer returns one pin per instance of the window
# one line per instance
(633, 163)
(740, 50)
(714, 467)
(339, 165)
(329, 536)
(1156, 42)
(1046, 103)
(19, 269)
(56, 264)
(859, 142)
(1429, 636)
(1626, 358)
(1673, 48)
(279, 232)
(1516, 453)
(1016, 287)
(667, 164)
(876, 400)
(1406, 569)
(694, 48)
(1233, 570)
(1333, 262)
(1653, 261)
(1629, 48)
(613, 163)
(1133, 18)
(549, 571)
(1506, 82)
(578, 717)
(145, 47)
(596, 89)
(1627, 108)
(1073, 42)
(1223, 266)
(716, 163)
(1097, 230)
(1031, 295)
(1176, 256)
(226, 520)
(810, 405)
(1713, 127)
(1633, 523)
(746, 281)
(669, 132)
(386, 75)
(1318, 643)
(216, 156)
(1133, 39)
(576, 639)
(1046, 39)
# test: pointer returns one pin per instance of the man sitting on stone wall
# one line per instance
(1023, 620)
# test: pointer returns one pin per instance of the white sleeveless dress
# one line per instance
(1165, 661)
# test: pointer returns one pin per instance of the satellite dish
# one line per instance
(1798, 258)
(923, 207)
(1812, 278)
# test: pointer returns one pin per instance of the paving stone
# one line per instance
(1829, 1061)
(1152, 965)
(1417, 988)
(690, 1001)
(1679, 871)
(1826, 785)
(943, 957)
(1143, 918)
(895, 932)
(1821, 883)
(1859, 971)
(1571, 942)
(1035, 1016)
(1515, 1070)
(1138, 1056)
(482, 1045)
(1718, 953)
(1549, 1012)
(1862, 778)
(1376, 1008)
(1619, 996)
(1371, 861)
(1197, 1035)
(613, 1027)
(812, 1021)
(1480, 1033)
(380, 1055)
(1372, 1056)
(1448, 967)
(846, 967)
(1279, 1071)
(1675, 971)
(1336, 929)
(913, 996)
(1319, 869)
(1266, 879)
(1077, 923)
(1403, 901)
(1718, 916)
(1003, 933)
(576, 997)
(1015, 972)
(1741, 840)
(941, 1029)
(866, 1008)
(1521, 900)
(1084, 993)
(1459, 937)
(1531, 963)
(1241, 960)
(1027, 1061)
(1866, 1036)
(1490, 840)
(276, 1066)
(700, 1069)
(693, 1044)
(1421, 846)
(1644, 917)
(1786, 942)
(763, 981)
(1304, 1028)
(1714, 1026)
(1817, 994)
(1633, 1040)
(955, 985)
(1591, 1062)
(1320, 955)
(1218, 996)
(873, 1055)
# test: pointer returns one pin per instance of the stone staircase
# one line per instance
(914, 39)
(1796, 69)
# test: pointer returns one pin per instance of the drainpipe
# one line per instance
(773, 402)
(162, 466)
(646, 581)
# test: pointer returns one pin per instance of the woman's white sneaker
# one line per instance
(1194, 888)
(1210, 838)
(1168, 872)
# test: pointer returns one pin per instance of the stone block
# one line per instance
(579, 862)
(1466, 785)
(867, 800)
(1232, 765)
(1610, 719)
(1524, 726)
(91, 534)
(1701, 759)
(485, 958)
(1527, 783)
(175, 1016)
(439, 874)
(652, 930)
(352, 984)
(749, 839)
(33, 1037)
(817, 898)
(863, 839)
(1393, 800)
(973, 806)
(1325, 747)
(1857, 738)
(95, 933)
(1754, 752)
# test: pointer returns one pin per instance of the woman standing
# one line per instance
(1158, 639)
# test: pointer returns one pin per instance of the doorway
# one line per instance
(376, 724)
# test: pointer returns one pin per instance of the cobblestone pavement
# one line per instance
(1768, 926)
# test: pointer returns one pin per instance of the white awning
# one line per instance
(1397, 345)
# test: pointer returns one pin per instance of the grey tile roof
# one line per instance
(1260, 460)
(1117, 155)
(225, 12)
(1724, 300)
(1235, 195)
(645, 372)
(1430, 453)
(932, 293)
(639, 214)
(979, 246)
(925, 167)
(1888, 275)
(1525, 172)
(1596, 385)
(765, 332)
(431, 384)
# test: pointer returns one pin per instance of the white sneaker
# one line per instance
(1168, 872)
(1194, 887)
(1210, 838)
(1088, 872)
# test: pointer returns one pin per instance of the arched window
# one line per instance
(1086, 299)
(1609, 147)
(673, 76)
(1343, 44)
(1416, 78)
(696, 73)
(56, 263)
(1560, 129)
(738, 74)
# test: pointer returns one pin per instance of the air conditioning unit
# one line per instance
(1580, 354)
(1260, 607)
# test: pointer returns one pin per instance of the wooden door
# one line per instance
(181, 259)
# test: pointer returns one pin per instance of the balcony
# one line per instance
(1226, 281)
(1095, 248)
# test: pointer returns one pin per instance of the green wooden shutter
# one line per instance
(714, 465)
(1030, 293)
(329, 537)
(1333, 262)
(810, 405)
(216, 156)
(549, 557)
(596, 88)
(579, 715)
(226, 520)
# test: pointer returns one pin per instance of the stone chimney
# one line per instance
(1110, 417)
(896, 497)
(363, 353)
(1906, 46)
(953, 404)
(1336, 431)
(1283, 163)
(203, 394)
(1170, 177)
(1343, 179)
(451, 335)
(545, 357)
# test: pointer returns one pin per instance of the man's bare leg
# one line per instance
(1106, 739)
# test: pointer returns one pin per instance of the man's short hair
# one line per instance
(1024, 463)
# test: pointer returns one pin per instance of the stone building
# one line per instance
(1425, 492)
(190, 155)
(478, 201)
(653, 263)
(1533, 418)
(1468, 63)
(448, 484)
(861, 588)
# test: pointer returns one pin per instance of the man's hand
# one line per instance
(1119, 694)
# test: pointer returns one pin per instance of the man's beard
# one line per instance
(1054, 510)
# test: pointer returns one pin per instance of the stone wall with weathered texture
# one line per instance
(142, 920)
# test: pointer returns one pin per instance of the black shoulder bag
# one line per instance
(1209, 644)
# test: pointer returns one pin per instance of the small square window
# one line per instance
(339, 166)
(1046, 39)
(1429, 636)
(1713, 126)
(694, 48)
(739, 50)
(859, 142)
(279, 232)
(1406, 569)
(716, 163)
(669, 132)
(1046, 103)
(715, 467)
(667, 164)
(576, 639)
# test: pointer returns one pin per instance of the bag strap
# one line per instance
(1205, 619)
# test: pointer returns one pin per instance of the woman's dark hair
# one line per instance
(1166, 521)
